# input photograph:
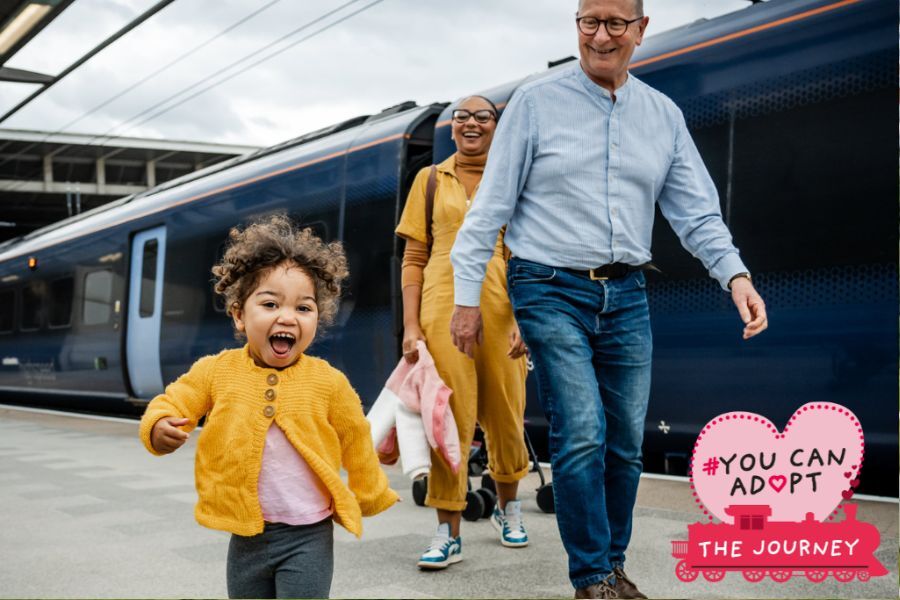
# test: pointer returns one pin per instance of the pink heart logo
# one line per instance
(854, 483)
(778, 482)
(847, 494)
(741, 458)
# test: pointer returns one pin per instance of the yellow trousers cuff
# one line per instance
(452, 505)
(509, 477)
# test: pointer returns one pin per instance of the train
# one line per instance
(758, 547)
(792, 104)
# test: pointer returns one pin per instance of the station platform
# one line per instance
(86, 512)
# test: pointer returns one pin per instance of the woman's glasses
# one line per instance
(461, 115)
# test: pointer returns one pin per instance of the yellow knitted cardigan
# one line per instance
(315, 406)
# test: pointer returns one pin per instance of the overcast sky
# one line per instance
(392, 51)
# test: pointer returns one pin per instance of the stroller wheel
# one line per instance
(474, 507)
(545, 498)
(490, 501)
(420, 490)
(488, 483)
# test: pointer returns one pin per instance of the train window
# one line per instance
(61, 292)
(808, 196)
(148, 278)
(98, 291)
(33, 298)
(7, 310)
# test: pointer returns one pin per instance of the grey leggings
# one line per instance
(284, 561)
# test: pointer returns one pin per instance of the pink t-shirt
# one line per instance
(289, 491)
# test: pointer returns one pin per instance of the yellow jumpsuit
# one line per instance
(489, 388)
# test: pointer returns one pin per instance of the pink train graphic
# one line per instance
(757, 547)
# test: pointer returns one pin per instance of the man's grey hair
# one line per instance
(638, 7)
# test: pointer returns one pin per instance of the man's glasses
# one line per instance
(615, 27)
(461, 115)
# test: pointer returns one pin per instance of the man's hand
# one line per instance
(165, 437)
(465, 328)
(750, 306)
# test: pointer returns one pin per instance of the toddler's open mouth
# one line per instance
(282, 343)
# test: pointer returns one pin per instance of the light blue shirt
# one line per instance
(576, 177)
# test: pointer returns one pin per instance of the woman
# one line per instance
(489, 388)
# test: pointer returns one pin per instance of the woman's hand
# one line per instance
(411, 335)
(516, 344)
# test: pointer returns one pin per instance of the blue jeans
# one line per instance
(591, 346)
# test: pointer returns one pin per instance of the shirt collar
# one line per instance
(448, 166)
(601, 92)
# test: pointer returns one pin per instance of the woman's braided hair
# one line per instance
(264, 244)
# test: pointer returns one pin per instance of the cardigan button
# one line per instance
(272, 379)
(270, 394)
(269, 411)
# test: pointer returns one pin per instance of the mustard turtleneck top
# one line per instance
(469, 170)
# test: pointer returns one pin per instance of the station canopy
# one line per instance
(46, 176)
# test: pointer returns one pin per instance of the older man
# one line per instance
(579, 160)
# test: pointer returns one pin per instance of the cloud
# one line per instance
(398, 50)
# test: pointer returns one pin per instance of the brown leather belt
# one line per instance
(610, 271)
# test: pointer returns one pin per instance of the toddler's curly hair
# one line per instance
(268, 242)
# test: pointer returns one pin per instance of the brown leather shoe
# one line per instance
(625, 587)
(600, 589)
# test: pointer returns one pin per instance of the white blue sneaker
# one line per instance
(443, 550)
(510, 525)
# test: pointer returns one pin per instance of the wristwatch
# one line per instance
(744, 274)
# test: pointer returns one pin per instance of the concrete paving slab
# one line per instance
(96, 473)
(162, 485)
(25, 489)
(119, 524)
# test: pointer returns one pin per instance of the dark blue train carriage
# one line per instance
(120, 302)
(792, 104)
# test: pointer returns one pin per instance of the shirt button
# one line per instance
(269, 410)
(270, 394)
(272, 379)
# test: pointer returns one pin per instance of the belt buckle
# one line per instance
(597, 277)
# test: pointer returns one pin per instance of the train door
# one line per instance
(148, 253)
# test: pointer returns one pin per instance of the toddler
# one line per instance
(279, 423)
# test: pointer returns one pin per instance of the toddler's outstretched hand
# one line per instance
(166, 437)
